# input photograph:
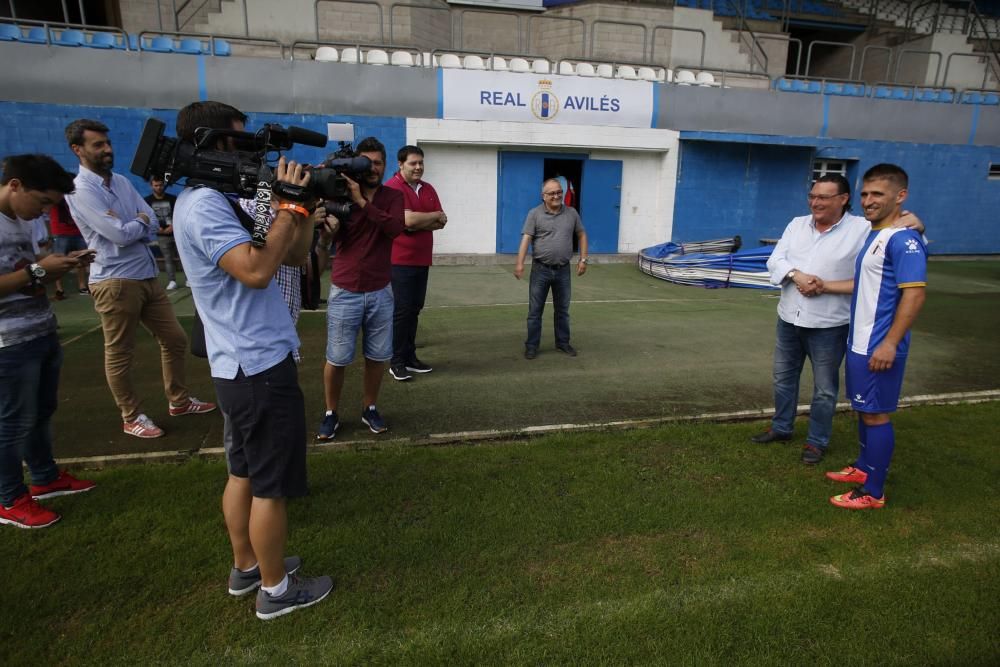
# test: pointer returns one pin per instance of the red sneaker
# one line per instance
(193, 407)
(142, 427)
(850, 474)
(858, 499)
(27, 513)
(64, 485)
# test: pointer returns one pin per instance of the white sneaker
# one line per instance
(142, 427)
(172, 284)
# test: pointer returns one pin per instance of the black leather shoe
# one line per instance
(567, 348)
(770, 436)
(811, 455)
(530, 352)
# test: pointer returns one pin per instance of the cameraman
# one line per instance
(250, 340)
(360, 298)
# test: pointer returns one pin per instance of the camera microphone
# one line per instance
(300, 135)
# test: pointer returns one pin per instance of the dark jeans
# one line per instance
(825, 349)
(409, 287)
(29, 382)
(542, 278)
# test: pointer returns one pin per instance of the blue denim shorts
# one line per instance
(347, 313)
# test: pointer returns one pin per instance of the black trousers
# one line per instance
(409, 287)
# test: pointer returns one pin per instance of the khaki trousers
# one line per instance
(123, 304)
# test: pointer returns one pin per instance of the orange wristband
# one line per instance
(294, 208)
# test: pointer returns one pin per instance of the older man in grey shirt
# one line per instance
(549, 229)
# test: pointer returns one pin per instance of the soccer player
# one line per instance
(890, 277)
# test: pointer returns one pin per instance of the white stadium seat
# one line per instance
(327, 54)
(377, 57)
(499, 64)
(349, 55)
(683, 77)
(626, 72)
(647, 74)
(473, 62)
(449, 61)
(401, 59)
(585, 69)
(605, 71)
(519, 65)
(540, 66)
(705, 79)
(567, 68)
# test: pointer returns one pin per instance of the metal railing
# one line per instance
(850, 69)
(50, 25)
(411, 6)
(786, 38)
(593, 32)
(903, 52)
(461, 23)
(742, 31)
(212, 39)
(864, 55)
(652, 46)
(575, 19)
(370, 3)
(983, 56)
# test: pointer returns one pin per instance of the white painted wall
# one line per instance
(462, 165)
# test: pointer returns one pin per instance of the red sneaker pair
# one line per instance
(27, 513)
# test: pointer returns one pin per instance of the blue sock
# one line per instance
(862, 462)
(878, 453)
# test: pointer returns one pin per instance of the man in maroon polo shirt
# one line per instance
(412, 253)
(360, 298)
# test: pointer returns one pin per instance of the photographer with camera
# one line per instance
(360, 298)
(250, 340)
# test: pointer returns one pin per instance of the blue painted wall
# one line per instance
(39, 128)
(752, 185)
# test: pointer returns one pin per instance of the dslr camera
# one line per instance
(246, 171)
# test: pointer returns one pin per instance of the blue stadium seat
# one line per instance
(222, 48)
(902, 94)
(102, 40)
(133, 42)
(814, 87)
(883, 92)
(9, 33)
(35, 36)
(926, 95)
(991, 99)
(946, 96)
(855, 89)
(190, 46)
(71, 38)
(972, 98)
(160, 45)
(786, 85)
(833, 88)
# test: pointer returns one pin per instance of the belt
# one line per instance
(550, 266)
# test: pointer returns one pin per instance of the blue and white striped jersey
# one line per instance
(892, 258)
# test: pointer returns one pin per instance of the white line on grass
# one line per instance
(953, 398)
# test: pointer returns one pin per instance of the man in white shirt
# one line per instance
(812, 324)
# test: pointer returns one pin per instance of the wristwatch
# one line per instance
(584, 260)
(791, 275)
(36, 272)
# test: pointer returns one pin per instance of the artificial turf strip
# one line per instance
(677, 545)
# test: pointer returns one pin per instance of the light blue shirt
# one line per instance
(829, 255)
(120, 239)
(244, 327)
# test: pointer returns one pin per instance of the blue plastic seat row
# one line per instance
(976, 97)
(110, 40)
(821, 87)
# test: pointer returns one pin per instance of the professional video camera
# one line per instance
(245, 171)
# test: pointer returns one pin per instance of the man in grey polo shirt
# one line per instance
(549, 229)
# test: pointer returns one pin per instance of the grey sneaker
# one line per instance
(302, 592)
(241, 583)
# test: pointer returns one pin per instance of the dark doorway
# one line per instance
(572, 171)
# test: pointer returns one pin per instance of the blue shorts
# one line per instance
(347, 313)
(873, 392)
